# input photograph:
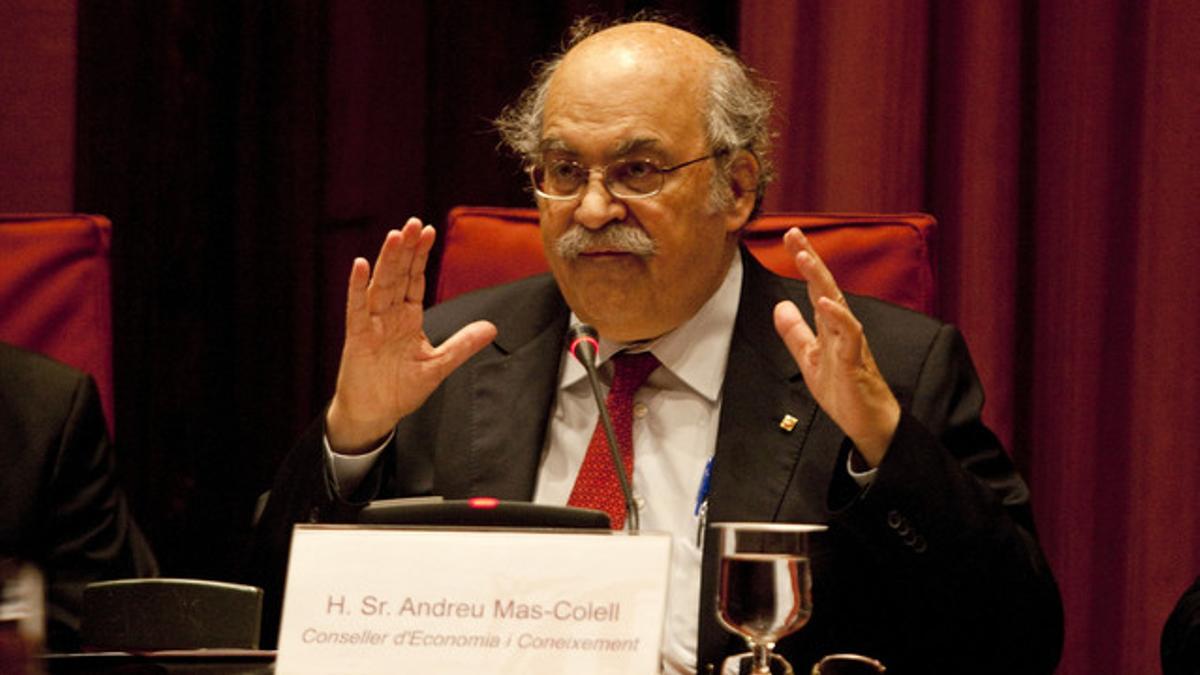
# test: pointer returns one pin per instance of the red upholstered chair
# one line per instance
(885, 256)
(54, 291)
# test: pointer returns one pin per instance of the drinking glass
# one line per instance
(765, 589)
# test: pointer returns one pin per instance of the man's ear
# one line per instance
(743, 188)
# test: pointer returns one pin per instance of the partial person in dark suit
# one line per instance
(1180, 643)
(61, 507)
(647, 152)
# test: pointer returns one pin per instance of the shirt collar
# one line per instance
(696, 352)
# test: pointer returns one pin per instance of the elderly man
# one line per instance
(646, 150)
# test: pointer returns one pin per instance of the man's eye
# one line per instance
(638, 168)
(564, 170)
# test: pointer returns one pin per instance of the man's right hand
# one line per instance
(388, 366)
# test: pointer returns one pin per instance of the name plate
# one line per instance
(385, 599)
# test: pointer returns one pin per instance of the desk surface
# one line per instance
(182, 662)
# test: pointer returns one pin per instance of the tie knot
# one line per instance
(631, 370)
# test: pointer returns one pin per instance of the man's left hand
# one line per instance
(834, 358)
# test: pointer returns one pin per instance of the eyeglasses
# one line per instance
(563, 179)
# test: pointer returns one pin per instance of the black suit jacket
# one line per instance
(60, 504)
(934, 564)
(1180, 642)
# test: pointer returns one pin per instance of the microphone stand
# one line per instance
(584, 346)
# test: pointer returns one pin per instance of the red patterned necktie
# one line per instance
(597, 486)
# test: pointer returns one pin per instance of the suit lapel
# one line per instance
(756, 458)
(510, 388)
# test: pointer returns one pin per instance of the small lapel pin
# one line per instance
(788, 423)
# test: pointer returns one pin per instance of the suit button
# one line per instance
(894, 519)
(919, 544)
(904, 530)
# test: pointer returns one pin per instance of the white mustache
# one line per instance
(619, 238)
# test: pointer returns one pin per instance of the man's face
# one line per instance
(616, 99)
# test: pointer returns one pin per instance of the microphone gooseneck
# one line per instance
(584, 346)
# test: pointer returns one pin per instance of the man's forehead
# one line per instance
(636, 51)
(619, 148)
(635, 87)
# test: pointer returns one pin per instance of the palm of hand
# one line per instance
(388, 365)
(393, 361)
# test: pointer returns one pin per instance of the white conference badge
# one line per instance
(386, 599)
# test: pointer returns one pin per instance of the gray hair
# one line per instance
(737, 114)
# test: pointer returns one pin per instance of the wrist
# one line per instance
(349, 436)
(873, 445)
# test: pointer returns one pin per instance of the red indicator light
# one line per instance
(584, 338)
(483, 502)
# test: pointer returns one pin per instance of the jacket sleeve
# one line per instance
(948, 519)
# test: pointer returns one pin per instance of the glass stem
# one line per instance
(762, 657)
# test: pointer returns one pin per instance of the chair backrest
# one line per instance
(55, 291)
(885, 256)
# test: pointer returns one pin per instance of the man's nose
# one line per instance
(597, 206)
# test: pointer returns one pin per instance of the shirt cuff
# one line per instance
(863, 478)
(350, 470)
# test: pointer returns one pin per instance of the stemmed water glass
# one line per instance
(765, 590)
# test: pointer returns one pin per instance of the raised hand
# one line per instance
(388, 365)
(834, 358)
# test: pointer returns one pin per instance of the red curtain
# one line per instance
(37, 105)
(1057, 143)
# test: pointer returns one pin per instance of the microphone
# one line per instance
(584, 347)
